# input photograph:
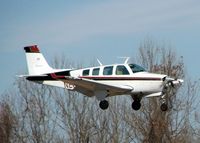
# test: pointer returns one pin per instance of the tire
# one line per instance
(164, 107)
(104, 104)
(136, 105)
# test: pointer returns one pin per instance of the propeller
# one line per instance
(168, 81)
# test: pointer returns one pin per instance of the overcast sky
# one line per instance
(86, 29)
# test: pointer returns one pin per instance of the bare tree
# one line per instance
(7, 122)
(37, 113)
(151, 123)
(33, 108)
(81, 120)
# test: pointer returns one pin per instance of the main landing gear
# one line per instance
(136, 103)
(104, 104)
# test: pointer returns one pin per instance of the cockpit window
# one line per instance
(136, 68)
(121, 70)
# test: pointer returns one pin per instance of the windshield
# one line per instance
(136, 68)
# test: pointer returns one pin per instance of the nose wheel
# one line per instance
(104, 104)
(163, 106)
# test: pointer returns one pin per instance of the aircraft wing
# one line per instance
(89, 86)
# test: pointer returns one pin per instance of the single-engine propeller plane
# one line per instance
(102, 81)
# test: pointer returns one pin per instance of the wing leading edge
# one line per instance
(90, 86)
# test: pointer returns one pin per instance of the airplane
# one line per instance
(102, 81)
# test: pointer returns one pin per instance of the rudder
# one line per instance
(36, 62)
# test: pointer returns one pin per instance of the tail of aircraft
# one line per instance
(36, 62)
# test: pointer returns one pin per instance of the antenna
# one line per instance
(126, 59)
(99, 62)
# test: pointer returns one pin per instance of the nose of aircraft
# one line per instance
(173, 81)
(159, 76)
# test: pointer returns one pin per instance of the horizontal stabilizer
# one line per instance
(21, 76)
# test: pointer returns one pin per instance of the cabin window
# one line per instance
(121, 70)
(95, 71)
(108, 70)
(86, 72)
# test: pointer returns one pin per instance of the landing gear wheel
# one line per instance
(104, 104)
(164, 107)
(136, 105)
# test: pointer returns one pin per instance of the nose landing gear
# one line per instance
(163, 106)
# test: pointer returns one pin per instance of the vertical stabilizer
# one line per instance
(36, 62)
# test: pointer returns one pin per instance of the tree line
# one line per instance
(38, 114)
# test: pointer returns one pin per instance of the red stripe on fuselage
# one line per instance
(119, 78)
(53, 75)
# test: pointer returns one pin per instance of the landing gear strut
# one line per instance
(104, 104)
(163, 106)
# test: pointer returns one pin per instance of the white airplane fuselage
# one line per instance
(143, 83)
(102, 81)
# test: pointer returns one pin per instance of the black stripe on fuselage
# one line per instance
(49, 76)
(63, 73)
(60, 75)
(39, 78)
